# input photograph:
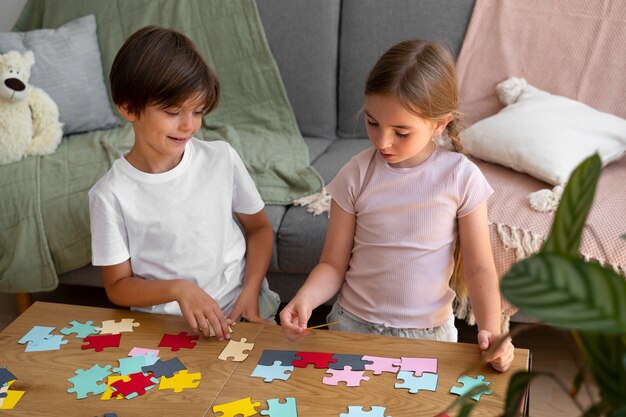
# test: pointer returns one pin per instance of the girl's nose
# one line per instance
(383, 141)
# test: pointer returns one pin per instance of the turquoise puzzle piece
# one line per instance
(469, 383)
(270, 373)
(82, 330)
(358, 411)
(87, 381)
(426, 382)
(278, 409)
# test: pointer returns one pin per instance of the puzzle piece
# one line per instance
(379, 364)
(6, 376)
(87, 381)
(318, 359)
(137, 385)
(356, 362)
(11, 399)
(117, 327)
(469, 383)
(245, 407)
(238, 350)
(285, 357)
(36, 334)
(81, 330)
(418, 365)
(151, 356)
(99, 342)
(426, 381)
(359, 411)
(110, 392)
(180, 381)
(130, 365)
(177, 341)
(347, 375)
(278, 409)
(165, 368)
(54, 342)
(275, 371)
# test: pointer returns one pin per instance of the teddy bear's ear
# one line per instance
(29, 58)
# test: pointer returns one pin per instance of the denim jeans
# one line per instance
(351, 323)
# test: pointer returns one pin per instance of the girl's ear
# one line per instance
(123, 110)
(441, 124)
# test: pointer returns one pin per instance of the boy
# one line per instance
(162, 218)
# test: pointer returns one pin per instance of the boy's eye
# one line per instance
(171, 113)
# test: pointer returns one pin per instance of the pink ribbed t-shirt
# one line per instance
(406, 227)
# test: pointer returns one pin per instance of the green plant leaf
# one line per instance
(518, 384)
(568, 292)
(570, 216)
(604, 353)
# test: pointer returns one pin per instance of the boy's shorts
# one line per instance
(351, 323)
(269, 302)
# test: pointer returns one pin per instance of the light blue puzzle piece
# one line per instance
(469, 383)
(131, 365)
(358, 411)
(278, 409)
(87, 381)
(270, 373)
(54, 342)
(426, 382)
(36, 334)
(82, 330)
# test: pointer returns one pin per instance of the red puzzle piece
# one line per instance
(318, 359)
(99, 342)
(177, 341)
(137, 385)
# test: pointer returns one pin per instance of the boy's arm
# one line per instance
(483, 286)
(326, 278)
(259, 237)
(199, 309)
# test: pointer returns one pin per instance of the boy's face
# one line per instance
(162, 133)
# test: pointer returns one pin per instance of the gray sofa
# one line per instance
(324, 50)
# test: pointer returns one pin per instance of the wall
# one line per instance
(9, 12)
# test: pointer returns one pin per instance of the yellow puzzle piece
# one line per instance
(108, 394)
(244, 406)
(180, 381)
(8, 402)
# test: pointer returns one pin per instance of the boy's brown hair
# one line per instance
(157, 66)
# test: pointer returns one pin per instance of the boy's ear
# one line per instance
(123, 110)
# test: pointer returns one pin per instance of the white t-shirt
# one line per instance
(177, 224)
(406, 228)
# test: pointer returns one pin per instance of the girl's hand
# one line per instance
(294, 319)
(247, 307)
(201, 310)
(496, 349)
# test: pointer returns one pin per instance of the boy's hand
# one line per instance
(294, 319)
(496, 349)
(247, 307)
(201, 311)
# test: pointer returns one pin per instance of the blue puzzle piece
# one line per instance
(54, 342)
(87, 381)
(355, 362)
(131, 365)
(6, 376)
(270, 373)
(82, 330)
(278, 409)
(469, 383)
(36, 334)
(164, 368)
(426, 382)
(358, 411)
(285, 357)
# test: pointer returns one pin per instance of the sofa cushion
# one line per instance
(370, 27)
(303, 37)
(68, 68)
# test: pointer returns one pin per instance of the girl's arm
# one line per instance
(199, 309)
(326, 278)
(483, 286)
(259, 236)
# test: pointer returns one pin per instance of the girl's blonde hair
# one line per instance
(422, 76)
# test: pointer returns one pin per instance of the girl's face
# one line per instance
(402, 138)
(162, 133)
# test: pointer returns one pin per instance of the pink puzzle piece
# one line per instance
(318, 359)
(380, 364)
(347, 375)
(418, 365)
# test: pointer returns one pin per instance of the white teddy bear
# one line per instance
(29, 118)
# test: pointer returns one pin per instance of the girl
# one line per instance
(397, 211)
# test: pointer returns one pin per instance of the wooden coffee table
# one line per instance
(44, 375)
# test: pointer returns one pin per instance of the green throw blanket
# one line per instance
(44, 216)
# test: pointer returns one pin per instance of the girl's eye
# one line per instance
(371, 123)
(402, 135)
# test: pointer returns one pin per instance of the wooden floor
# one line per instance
(552, 351)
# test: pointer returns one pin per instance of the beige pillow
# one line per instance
(544, 135)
